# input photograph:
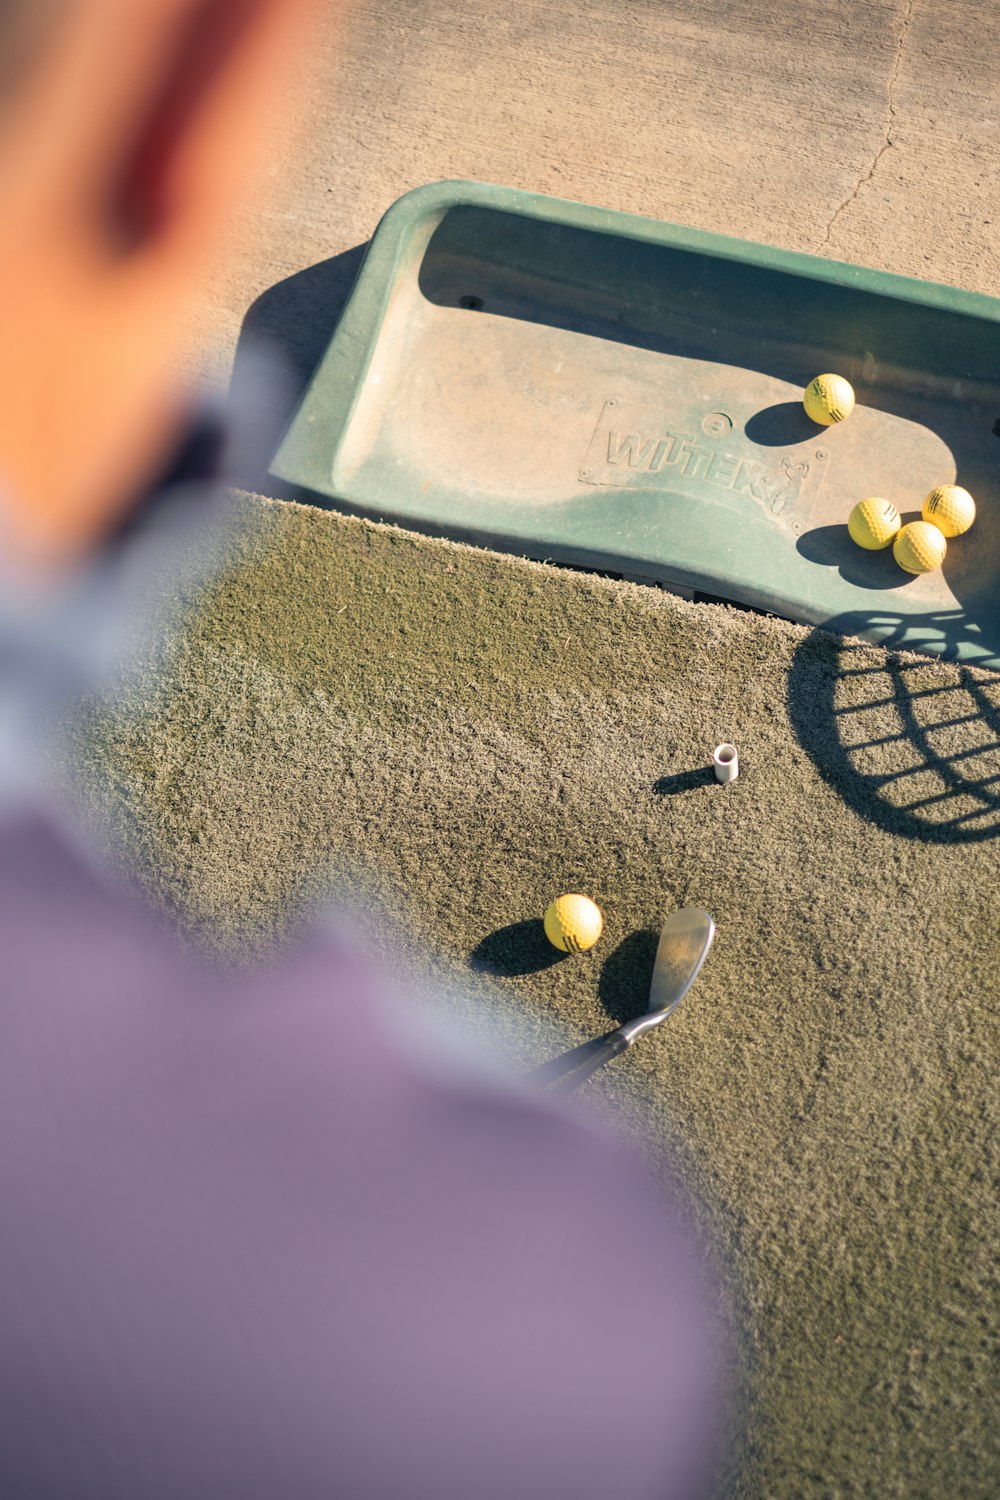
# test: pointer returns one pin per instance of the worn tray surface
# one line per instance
(605, 390)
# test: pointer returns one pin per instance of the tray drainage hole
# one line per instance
(996, 427)
(472, 304)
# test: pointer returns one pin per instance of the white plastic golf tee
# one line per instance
(726, 763)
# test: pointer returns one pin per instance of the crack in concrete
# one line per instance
(889, 123)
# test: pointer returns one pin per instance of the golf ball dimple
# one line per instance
(950, 508)
(873, 523)
(573, 923)
(828, 399)
(919, 547)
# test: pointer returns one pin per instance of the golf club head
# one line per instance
(684, 942)
(683, 947)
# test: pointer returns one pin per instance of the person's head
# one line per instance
(131, 131)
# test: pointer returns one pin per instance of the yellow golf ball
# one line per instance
(828, 399)
(573, 923)
(919, 547)
(873, 523)
(950, 508)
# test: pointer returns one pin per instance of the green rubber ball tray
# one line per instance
(603, 390)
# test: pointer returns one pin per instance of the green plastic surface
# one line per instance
(605, 390)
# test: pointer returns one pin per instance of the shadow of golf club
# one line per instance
(623, 988)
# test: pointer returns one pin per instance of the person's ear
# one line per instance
(122, 162)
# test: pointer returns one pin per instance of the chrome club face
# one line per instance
(684, 942)
(683, 947)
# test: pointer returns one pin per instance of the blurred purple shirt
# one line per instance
(249, 1248)
(250, 1245)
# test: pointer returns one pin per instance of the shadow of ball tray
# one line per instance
(294, 320)
(911, 745)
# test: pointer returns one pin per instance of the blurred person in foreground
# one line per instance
(249, 1247)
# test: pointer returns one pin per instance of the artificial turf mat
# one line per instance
(463, 736)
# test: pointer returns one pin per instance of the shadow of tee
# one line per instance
(684, 781)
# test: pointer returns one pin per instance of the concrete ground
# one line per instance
(830, 1115)
(868, 132)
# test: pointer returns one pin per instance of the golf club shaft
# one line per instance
(609, 1046)
(575, 1058)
